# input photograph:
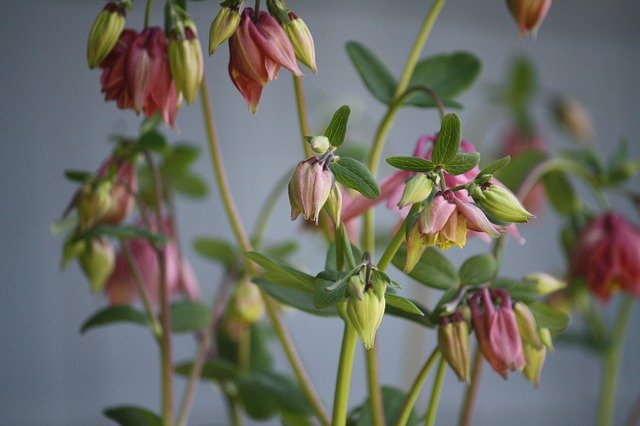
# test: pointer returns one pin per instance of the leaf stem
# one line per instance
(343, 381)
(466, 413)
(416, 387)
(301, 109)
(434, 401)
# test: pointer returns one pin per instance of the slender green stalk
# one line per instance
(267, 209)
(416, 387)
(245, 244)
(233, 406)
(301, 108)
(612, 361)
(343, 382)
(466, 412)
(434, 401)
(147, 13)
(375, 392)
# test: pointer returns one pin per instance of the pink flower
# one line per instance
(309, 188)
(136, 74)
(497, 330)
(257, 50)
(528, 14)
(607, 256)
(121, 286)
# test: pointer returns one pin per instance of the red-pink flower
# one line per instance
(529, 14)
(257, 50)
(497, 330)
(607, 256)
(136, 74)
(121, 286)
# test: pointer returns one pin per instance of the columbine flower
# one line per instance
(497, 330)
(105, 31)
(309, 188)
(453, 341)
(257, 50)
(301, 39)
(185, 58)
(607, 256)
(223, 26)
(528, 14)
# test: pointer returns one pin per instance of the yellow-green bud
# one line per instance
(97, 262)
(453, 341)
(527, 325)
(246, 304)
(94, 202)
(501, 204)
(319, 144)
(416, 190)
(71, 250)
(545, 338)
(574, 117)
(302, 41)
(223, 26)
(333, 206)
(185, 59)
(105, 32)
(545, 283)
(365, 315)
(535, 361)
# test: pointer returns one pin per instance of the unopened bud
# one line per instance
(535, 361)
(366, 315)
(185, 59)
(527, 325)
(453, 341)
(545, 283)
(416, 190)
(528, 14)
(501, 204)
(72, 248)
(309, 188)
(246, 304)
(319, 144)
(97, 262)
(416, 246)
(546, 339)
(94, 202)
(105, 32)
(302, 41)
(223, 26)
(574, 117)
(333, 206)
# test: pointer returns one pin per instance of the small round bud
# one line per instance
(223, 26)
(319, 144)
(97, 262)
(105, 32)
(416, 190)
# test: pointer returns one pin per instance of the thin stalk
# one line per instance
(612, 361)
(375, 392)
(256, 11)
(343, 381)
(147, 13)
(396, 242)
(434, 401)
(245, 244)
(244, 350)
(267, 209)
(301, 108)
(416, 387)
(233, 406)
(466, 414)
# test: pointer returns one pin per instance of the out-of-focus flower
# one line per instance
(309, 188)
(122, 288)
(185, 58)
(302, 40)
(607, 255)
(223, 26)
(528, 14)
(257, 50)
(574, 117)
(136, 74)
(97, 262)
(497, 330)
(105, 31)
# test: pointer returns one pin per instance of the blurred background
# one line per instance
(53, 118)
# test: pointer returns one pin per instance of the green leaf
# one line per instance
(337, 129)
(560, 193)
(423, 318)
(216, 370)
(330, 288)
(478, 269)
(373, 72)
(446, 74)
(282, 274)
(462, 163)
(282, 249)
(78, 176)
(523, 291)
(433, 269)
(130, 415)
(299, 299)
(403, 304)
(189, 316)
(179, 160)
(122, 232)
(516, 171)
(521, 84)
(494, 166)
(393, 401)
(63, 226)
(448, 143)
(190, 185)
(548, 317)
(411, 164)
(153, 141)
(216, 249)
(263, 394)
(355, 175)
(112, 315)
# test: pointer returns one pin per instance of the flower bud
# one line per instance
(366, 315)
(501, 204)
(71, 249)
(528, 14)
(185, 59)
(545, 338)
(302, 41)
(309, 188)
(453, 341)
(416, 190)
(105, 33)
(333, 206)
(572, 115)
(319, 144)
(545, 283)
(416, 246)
(527, 325)
(97, 261)
(246, 304)
(223, 26)
(535, 361)
(94, 202)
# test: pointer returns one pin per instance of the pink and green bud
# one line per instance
(97, 262)
(302, 40)
(185, 59)
(105, 32)
(309, 188)
(501, 204)
(223, 26)
(365, 314)
(453, 342)
(416, 190)
(528, 14)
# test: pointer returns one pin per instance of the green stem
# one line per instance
(466, 414)
(147, 13)
(375, 392)
(245, 244)
(233, 406)
(343, 382)
(302, 115)
(434, 401)
(416, 387)
(267, 209)
(612, 361)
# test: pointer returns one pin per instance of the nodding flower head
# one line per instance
(310, 187)
(528, 14)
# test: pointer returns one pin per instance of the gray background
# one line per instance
(53, 118)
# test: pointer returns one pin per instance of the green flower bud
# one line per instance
(302, 41)
(366, 315)
(105, 32)
(71, 249)
(416, 190)
(97, 262)
(545, 338)
(501, 204)
(246, 304)
(94, 202)
(453, 341)
(319, 144)
(527, 325)
(545, 283)
(333, 206)
(185, 59)
(223, 26)
(535, 361)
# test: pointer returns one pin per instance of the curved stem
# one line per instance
(147, 13)
(302, 114)
(244, 243)
(375, 392)
(612, 362)
(434, 401)
(416, 387)
(466, 413)
(343, 381)
(267, 209)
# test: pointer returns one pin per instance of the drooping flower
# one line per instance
(309, 188)
(105, 31)
(528, 14)
(301, 39)
(185, 59)
(366, 304)
(257, 50)
(607, 255)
